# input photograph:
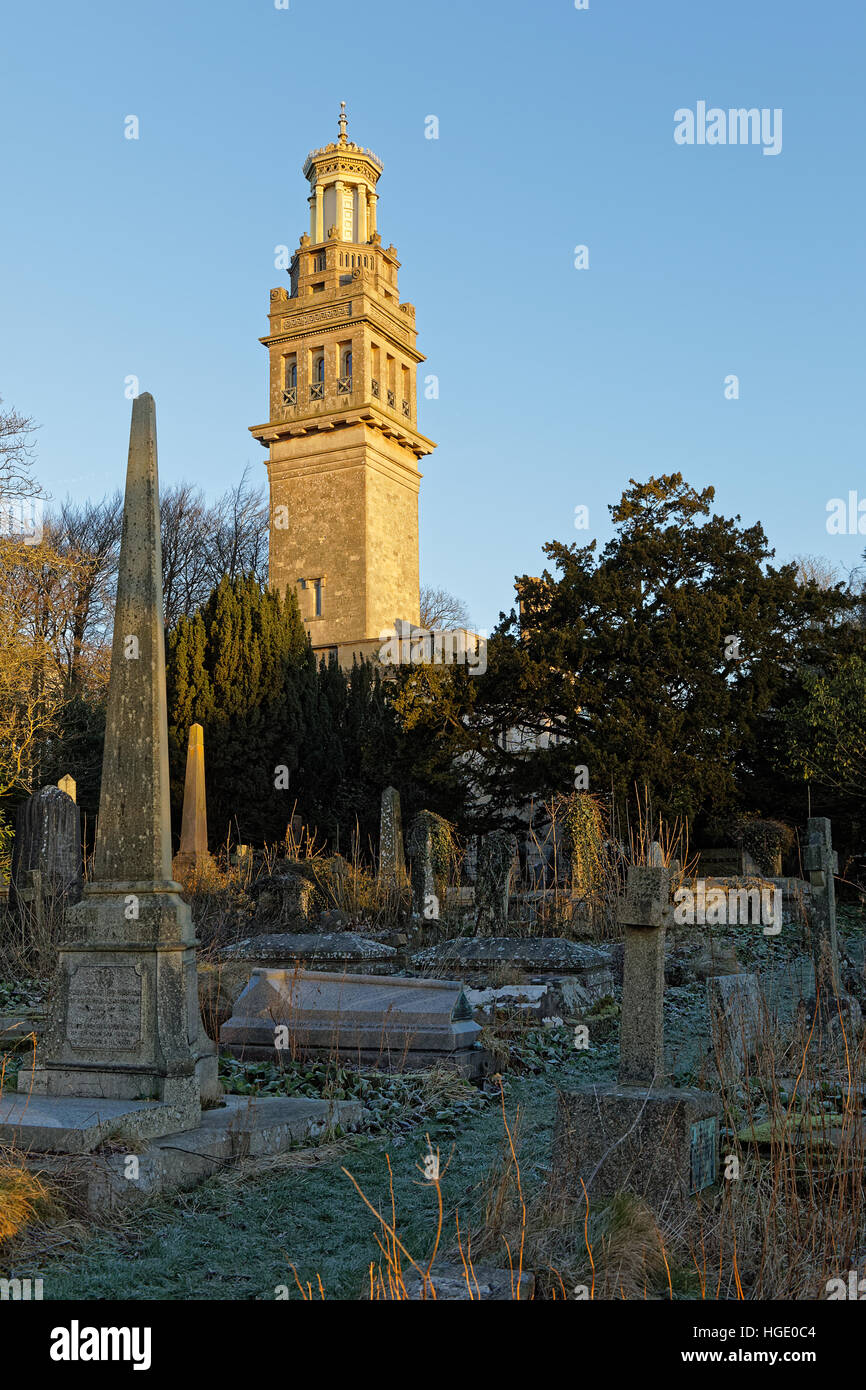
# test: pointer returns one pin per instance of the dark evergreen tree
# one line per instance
(663, 662)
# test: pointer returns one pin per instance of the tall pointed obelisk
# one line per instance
(193, 856)
(125, 1020)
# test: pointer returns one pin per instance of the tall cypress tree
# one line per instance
(235, 667)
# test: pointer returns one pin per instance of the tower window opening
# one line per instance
(317, 375)
(290, 380)
(312, 607)
(344, 381)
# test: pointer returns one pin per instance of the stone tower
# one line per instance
(342, 434)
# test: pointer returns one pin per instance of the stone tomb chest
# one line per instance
(365, 1020)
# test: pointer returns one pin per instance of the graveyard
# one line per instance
(350, 950)
(566, 1084)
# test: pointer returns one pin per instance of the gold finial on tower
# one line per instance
(343, 123)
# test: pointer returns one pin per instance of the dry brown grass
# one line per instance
(23, 1197)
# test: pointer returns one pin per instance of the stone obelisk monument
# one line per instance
(125, 1020)
(193, 857)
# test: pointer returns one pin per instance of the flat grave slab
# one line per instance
(317, 950)
(76, 1125)
(472, 958)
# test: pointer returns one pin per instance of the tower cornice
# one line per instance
(369, 415)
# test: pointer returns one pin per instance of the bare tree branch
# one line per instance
(440, 609)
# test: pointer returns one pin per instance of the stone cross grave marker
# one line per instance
(639, 1135)
(644, 914)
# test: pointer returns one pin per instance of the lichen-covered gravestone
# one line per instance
(46, 854)
(392, 866)
(497, 854)
(640, 1135)
(431, 848)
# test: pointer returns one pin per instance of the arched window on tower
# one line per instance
(344, 382)
(317, 375)
(290, 380)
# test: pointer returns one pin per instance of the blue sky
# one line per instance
(154, 257)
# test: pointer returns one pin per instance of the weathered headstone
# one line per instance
(497, 853)
(46, 852)
(392, 866)
(284, 898)
(639, 1135)
(124, 1021)
(67, 784)
(429, 845)
(366, 1019)
(735, 1015)
(821, 864)
(193, 856)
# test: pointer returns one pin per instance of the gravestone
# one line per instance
(124, 1023)
(392, 865)
(429, 845)
(367, 1020)
(639, 1135)
(285, 897)
(735, 1015)
(67, 784)
(46, 852)
(193, 856)
(821, 864)
(497, 853)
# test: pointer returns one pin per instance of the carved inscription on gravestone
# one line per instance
(105, 1007)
